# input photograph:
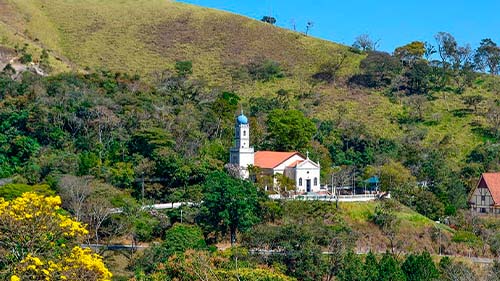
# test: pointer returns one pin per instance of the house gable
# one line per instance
(485, 197)
(296, 158)
(491, 183)
(307, 164)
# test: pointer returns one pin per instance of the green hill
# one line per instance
(147, 37)
(121, 104)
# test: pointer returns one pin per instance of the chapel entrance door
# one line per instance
(308, 185)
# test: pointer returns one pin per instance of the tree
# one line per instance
(389, 269)
(148, 140)
(364, 43)
(309, 26)
(351, 268)
(493, 117)
(178, 239)
(269, 19)
(328, 71)
(289, 130)
(418, 106)
(385, 217)
(416, 78)
(284, 184)
(458, 271)
(181, 237)
(487, 56)
(371, 267)
(44, 61)
(426, 203)
(223, 109)
(410, 52)
(494, 274)
(472, 100)
(298, 245)
(184, 68)
(447, 48)
(395, 177)
(265, 70)
(75, 192)
(379, 69)
(420, 267)
(89, 200)
(37, 242)
(229, 205)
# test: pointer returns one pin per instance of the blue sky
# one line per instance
(393, 23)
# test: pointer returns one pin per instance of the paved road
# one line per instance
(472, 259)
(161, 206)
(269, 252)
(114, 246)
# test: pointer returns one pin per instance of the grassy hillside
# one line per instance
(178, 127)
(412, 224)
(146, 37)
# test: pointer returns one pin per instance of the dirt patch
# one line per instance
(6, 53)
(231, 38)
(9, 15)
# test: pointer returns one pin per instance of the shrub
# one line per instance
(265, 70)
(26, 58)
(14, 190)
(465, 237)
(40, 243)
(182, 237)
(184, 68)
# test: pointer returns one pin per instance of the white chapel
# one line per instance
(304, 171)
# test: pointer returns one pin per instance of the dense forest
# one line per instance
(112, 133)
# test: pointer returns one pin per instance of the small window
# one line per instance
(244, 133)
(315, 181)
(300, 181)
(483, 210)
(483, 197)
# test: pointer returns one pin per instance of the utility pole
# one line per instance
(439, 228)
(142, 188)
(354, 182)
(332, 185)
(181, 215)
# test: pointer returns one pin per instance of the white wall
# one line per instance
(307, 170)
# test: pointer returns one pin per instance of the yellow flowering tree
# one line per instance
(39, 242)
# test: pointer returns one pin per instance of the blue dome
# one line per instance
(242, 119)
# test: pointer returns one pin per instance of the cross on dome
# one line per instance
(242, 119)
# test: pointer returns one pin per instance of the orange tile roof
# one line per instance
(492, 181)
(271, 159)
(294, 164)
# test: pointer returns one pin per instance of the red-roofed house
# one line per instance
(485, 198)
(304, 171)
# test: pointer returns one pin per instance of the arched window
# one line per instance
(244, 133)
(300, 181)
(315, 181)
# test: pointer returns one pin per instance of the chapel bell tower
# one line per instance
(242, 154)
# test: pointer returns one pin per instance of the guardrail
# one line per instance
(340, 198)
